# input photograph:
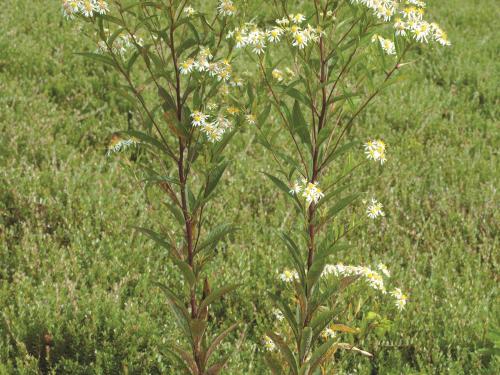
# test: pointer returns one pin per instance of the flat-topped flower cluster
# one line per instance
(86, 8)
(288, 27)
(408, 17)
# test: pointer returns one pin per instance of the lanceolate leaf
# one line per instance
(215, 236)
(213, 346)
(305, 342)
(216, 294)
(285, 351)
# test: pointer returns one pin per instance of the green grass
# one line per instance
(70, 266)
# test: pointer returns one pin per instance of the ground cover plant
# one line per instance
(76, 290)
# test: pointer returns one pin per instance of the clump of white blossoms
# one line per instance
(411, 22)
(401, 299)
(121, 44)
(215, 130)
(374, 209)
(310, 190)
(222, 70)
(85, 8)
(375, 150)
(189, 10)
(372, 277)
(287, 28)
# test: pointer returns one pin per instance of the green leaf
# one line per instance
(285, 351)
(147, 139)
(305, 342)
(160, 240)
(215, 295)
(213, 346)
(273, 365)
(215, 236)
(98, 57)
(198, 328)
(214, 177)
(299, 124)
(280, 184)
(321, 354)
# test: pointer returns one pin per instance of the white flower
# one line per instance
(328, 333)
(422, 32)
(401, 299)
(274, 34)
(187, 66)
(251, 119)
(383, 268)
(374, 209)
(226, 8)
(268, 343)
(312, 193)
(375, 150)
(278, 315)
(70, 8)
(198, 118)
(296, 188)
(289, 275)
(277, 75)
(300, 40)
(297, 18)
(88, 7)
(189, 11)
(101, 7)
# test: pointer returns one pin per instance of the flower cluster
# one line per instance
(281, 76)
(401, 299)
(189, 10)
(411, 21)
(213, 130)
(86, 8)
(372, 277)
(222, 70)
(118, 144)
(121, 44)
(310, 190)
(328, 333)
(374, 209)
(375, 150)
(250, 35)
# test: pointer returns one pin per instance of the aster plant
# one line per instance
(319, 70)
(177, 76)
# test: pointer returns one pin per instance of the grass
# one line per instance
(71, 267)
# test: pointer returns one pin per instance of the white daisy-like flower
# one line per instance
(187, 66)
(198, 118)
(226, 8)
(300, 40)
(312, 193)
(297, 18)
(278, 75)
(251, 119)
(374, 209)
(375, 150)
(87, 7)
(101, 7)
(278, 315)
(274, 34)
(70, 8)
(401, 299)
(268, 344)
(328, 333)
(296, 188)
(289, 275)
(189, 10)
(422, 32)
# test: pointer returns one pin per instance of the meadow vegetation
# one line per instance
(77, 285)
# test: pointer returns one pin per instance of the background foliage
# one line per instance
(71, 269)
